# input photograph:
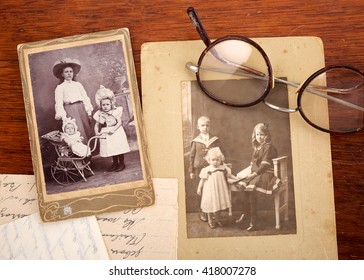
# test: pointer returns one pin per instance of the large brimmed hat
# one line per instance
(61, 64)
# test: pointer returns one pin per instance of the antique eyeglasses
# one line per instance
(236, 71)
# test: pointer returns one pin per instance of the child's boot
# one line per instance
(115, 163)
(203, 216)
(252, 226)
(121, 165)
(211, 221)
(218, 219)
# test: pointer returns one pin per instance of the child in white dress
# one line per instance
(73, 138)
(114, 143)
(213, 186)
(199, 147)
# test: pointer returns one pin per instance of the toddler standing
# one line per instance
(115, 144)
(213, 187)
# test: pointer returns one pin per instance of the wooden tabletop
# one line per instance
(338, 23)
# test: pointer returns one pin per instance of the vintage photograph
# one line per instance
(238, 165)
(83, 112)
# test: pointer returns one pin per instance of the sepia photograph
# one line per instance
(238, 164)
(84, 119)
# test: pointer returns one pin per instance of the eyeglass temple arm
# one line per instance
(319, 88)
(242, 67)
(250, 72)
(315, 89)
(199, 26)
(205, 38)
(312, 89)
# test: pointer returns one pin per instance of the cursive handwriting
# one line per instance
(130, 223)
(8, 183)
(18, 197)
(30, 238)
(13, 216)
(128, 253)
(130, 239)
(109, 220)
(144, 233)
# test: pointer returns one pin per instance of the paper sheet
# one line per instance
(141, 233)
(29, 238)
(144, 233)
(296, 58)
(18, 197)
(245, 172)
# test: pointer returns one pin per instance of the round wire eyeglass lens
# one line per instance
(235, 71)
(332, 99)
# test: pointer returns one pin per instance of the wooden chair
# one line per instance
(280, 171)
(280, 196)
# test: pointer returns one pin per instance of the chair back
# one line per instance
(281, 196)
(280, 168)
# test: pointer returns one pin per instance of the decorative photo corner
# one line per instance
(84, 119)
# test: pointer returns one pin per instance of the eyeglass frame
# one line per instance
(270, 79)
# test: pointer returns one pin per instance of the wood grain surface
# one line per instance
(338, 23)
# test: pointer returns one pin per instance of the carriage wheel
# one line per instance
(64, 172)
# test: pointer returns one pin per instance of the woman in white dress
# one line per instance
(71, 99)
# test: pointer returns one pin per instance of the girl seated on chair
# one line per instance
(260, 176)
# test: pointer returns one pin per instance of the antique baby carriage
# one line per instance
(68, 167)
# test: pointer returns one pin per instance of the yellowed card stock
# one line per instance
(144, 233)
(296, 58)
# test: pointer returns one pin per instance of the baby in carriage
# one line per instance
(73, 138)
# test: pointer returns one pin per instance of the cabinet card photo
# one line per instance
(85, 126)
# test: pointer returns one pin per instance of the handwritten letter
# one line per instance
(31, 239)
(18, 197)
(144, 233)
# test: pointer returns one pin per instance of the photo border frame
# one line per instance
(89, 201)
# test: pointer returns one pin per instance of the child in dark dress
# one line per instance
(260, 177)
